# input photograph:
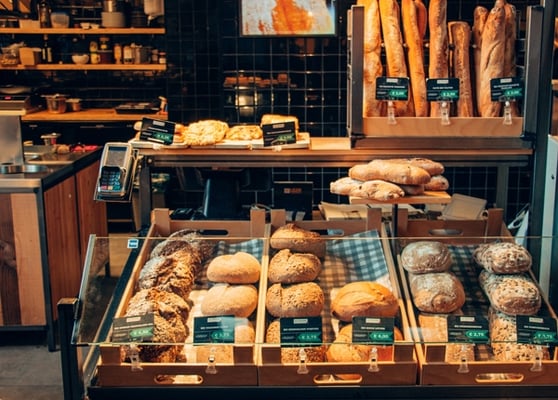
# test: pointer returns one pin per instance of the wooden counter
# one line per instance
(87, 115)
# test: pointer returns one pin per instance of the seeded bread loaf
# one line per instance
(511, 294)
(297, 239)
(297, 300)
(503, 257)
(288, 267)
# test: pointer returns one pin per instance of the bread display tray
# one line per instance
(228, 236)
(462, 237)
(356, 250)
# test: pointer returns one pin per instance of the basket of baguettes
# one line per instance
(331, 272)
(468, 277)
(190, 271)
(416, 41)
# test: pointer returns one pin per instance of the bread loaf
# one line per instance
(170, 273)
(460, 42)
(292, 354)
(436, 292)
(237, 268)
(430, 166)
(426, 256)
(225, 299)
(344, 185)
(297, 239)
(362, 299)
(288, 267)
(438, 66)
(244, 132)
(503, 257)
(509, 48)
(511, 294)
(377, 189)
(390, 171)
(480, 15)
(437, 183)
(415, 55)
(297, 300)
(268, 119)
(412, 190)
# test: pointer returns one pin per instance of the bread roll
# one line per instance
(364, 299)
(225, 299)
(511, 294)
(436, 292)
(426, 256)
(297, 239)
(503, 257)
(297, 300)
(238, 268)
(460, 41)
(390, 171)
(292, 354)
(438, 66)
(288, 267)
(415, 55)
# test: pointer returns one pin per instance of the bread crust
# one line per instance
(436, 292)
(460, 40)
(226, 299)
(438, 66)
(297, 300)
(297, 239)
(503, 257)
(237, 268)
(362, 299)
(395, 172)
(426, 256)
(288, 267)
(511, 294)
(480, 15)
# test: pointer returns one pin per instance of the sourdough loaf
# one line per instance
(425, 256)
(436, 292)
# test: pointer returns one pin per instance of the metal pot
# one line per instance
(56, 103)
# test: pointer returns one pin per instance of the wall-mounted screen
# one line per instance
(288, 17)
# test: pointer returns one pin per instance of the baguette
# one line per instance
(460, 39)
(373, 67)
(415, 56)
(509, 49)
(393, 44)
(492, 60)
(395, 172)
(479, 20)
(438, 50)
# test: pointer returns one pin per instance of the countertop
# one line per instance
(86, 115)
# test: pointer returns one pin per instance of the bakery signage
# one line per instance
(217, 329)
(279, 133)
(392, 88)
(158, 131)
(137, 328)
(446, 89)
(506, 89)
(305, 331)
(373, 330)
(467, 329)
(536, 330)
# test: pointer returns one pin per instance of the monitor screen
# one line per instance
(288, 18)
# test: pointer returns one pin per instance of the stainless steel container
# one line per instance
(56, 103)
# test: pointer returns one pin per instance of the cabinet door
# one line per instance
(63, 245)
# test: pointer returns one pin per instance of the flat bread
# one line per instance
(205, 132)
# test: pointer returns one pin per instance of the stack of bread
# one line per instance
(361, 299)
(233, 292)
(403, 30)
(511, 292)
(162, 288)
(293, 290)
(388, 179)
(435, 290)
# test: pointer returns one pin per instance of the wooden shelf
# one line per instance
(80, 31)
(87, 67)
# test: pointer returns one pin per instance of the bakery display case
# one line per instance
(312, 345)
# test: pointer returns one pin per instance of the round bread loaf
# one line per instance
(297, 300)
(344, 350)
(426, 256)
(292, 354)
(437, 292)
(169, 273)
(299, 240)
(362, 299)
(503, 257)
(226, 299)
(511, 294)
(237, 268)
(288, 267)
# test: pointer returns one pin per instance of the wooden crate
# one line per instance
(402, 370)
(242, 372)
(433, 368)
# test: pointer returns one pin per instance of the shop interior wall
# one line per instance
(205, 47)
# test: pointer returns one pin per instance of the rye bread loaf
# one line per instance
(364, 299)
(513, 294)
(288, 267)
(426, 256)
(175, 273)
(436, 292)
(297, 300)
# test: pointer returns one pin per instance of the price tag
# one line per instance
(536, 330)
(158, 131)
(468, 329)
(502, 89)
(373, 330)
(442, 89)
(279, 134)
(216, 329)
(301, 332)
(392, 88)
(133, 329)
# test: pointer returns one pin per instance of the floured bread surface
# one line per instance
(426, 256)
(437, 292)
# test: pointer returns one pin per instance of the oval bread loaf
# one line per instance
(436, 292)
(426, 256)
(297, 239)
(237, 268)
(288, 267)
(364, 298)
(226, 299)
(503, 257)
(511, 294)
(297, 300)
